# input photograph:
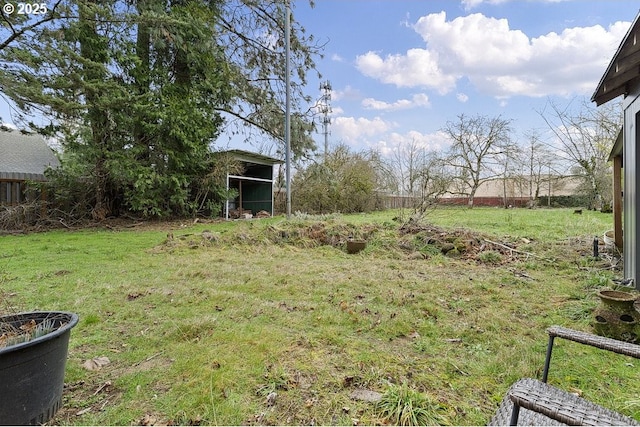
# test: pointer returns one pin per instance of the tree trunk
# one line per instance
(504, 193)
(93, 51)
(472, 194)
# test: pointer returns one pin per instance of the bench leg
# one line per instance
(547, 360)
(514, 415)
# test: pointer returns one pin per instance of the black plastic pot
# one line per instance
(32, 373)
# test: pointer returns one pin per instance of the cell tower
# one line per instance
(325, 109)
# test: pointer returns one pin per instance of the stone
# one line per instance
(366, 395)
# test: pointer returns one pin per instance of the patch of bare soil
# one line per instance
(96, 395)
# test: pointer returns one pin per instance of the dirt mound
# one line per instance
(458, 242)
(413, 239)
(321, 233)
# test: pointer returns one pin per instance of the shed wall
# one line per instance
(631, 161)
(253, 195)
(258, 171)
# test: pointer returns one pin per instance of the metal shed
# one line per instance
(622, 77)
(254, 186)
(23, 157)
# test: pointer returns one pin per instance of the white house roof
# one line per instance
(24, 156)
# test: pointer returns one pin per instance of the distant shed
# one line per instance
(254, 186)
(23, 157)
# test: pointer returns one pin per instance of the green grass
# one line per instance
(203, 330)
(401, 405)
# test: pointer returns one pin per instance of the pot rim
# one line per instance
(611, 295)
(70, 323)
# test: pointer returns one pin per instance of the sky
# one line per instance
(401, 69)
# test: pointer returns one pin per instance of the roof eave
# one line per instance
(618, 147)
(248, 156)
(611, 85)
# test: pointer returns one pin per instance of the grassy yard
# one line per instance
(272, 322)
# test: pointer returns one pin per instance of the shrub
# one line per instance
(343, 182)
(401, 405)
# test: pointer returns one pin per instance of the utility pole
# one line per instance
(287, 115)
(325, 109)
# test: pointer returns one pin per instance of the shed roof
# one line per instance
(624, 69)
(618, 147)
(248, 156)
(24, 156)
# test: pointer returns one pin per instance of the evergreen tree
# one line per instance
(138, 91)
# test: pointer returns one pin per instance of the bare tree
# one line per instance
(585, 138)
(511, 176)
(407, 161)
(477, 144)
(537, 162)
(418, 173)
(434, 181)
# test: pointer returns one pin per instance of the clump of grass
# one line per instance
(633, 406)
(274, 379)
(578, 311)
(401, 405)
(598, 280)
(489, 257)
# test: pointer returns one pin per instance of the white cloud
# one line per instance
(474, 42)
(498, 60)
(337, 111)
(348, 93)
(337, 58)
(379, 135)
(418, 100)
(354, 130)
(388, 144)
(418, 67)
(462, 97)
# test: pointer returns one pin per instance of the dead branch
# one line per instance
(516, 250)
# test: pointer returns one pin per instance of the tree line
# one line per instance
(482, 149)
